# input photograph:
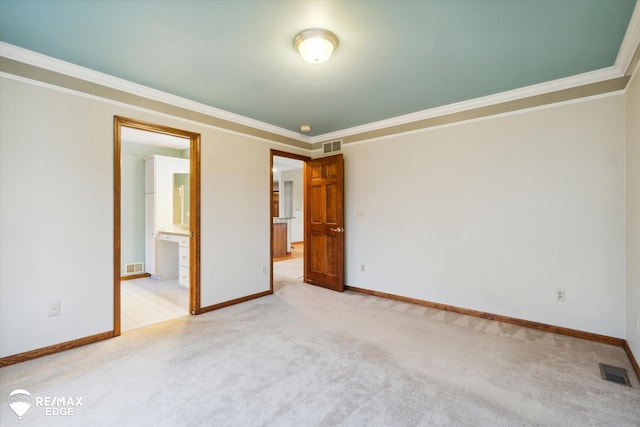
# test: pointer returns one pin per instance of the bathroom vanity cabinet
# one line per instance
(183, 261)
(173, 256)
(159, 218)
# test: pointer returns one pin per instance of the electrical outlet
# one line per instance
(359, 214)
(362, 268)
(560, 295)
(54, 308)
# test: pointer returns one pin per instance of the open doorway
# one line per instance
(156, 211)
(287, 214)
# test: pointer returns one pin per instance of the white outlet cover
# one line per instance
(54, 308)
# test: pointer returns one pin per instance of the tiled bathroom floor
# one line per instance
(147, 301)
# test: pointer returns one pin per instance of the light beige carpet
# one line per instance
(287, 272)
(307, 356)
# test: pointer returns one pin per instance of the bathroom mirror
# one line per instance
(181, 199)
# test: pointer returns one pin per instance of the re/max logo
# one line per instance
(58, 401)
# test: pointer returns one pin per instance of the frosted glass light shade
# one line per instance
(316, 45)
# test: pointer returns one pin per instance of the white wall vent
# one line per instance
(332, 147)
(134, 268)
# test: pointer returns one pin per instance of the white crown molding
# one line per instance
(630, 42)
(485, 101)
(627, 50)
(482, 118)
(625, 55)
(52, 64)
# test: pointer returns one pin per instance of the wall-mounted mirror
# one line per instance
(181, 199)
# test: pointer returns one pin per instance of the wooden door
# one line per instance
(324, 223)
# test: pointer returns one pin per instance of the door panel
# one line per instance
(330, 208)
(324, 228)
(317, 205)
(317, 248)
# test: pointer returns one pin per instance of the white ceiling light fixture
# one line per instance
(305, 128)
(316, 45)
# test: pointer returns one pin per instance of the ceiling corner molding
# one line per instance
(52, 64)
(630, 42)
(498, 98)
(628, 48)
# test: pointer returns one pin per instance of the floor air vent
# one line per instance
(133, 268)
(614, 374)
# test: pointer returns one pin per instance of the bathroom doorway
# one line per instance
(287, 219)
(156, 216)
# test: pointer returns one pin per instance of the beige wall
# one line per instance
(495, 215)
(492, 215)
(56, 195)
(633, 214)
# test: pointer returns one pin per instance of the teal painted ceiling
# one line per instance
(394, 57)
